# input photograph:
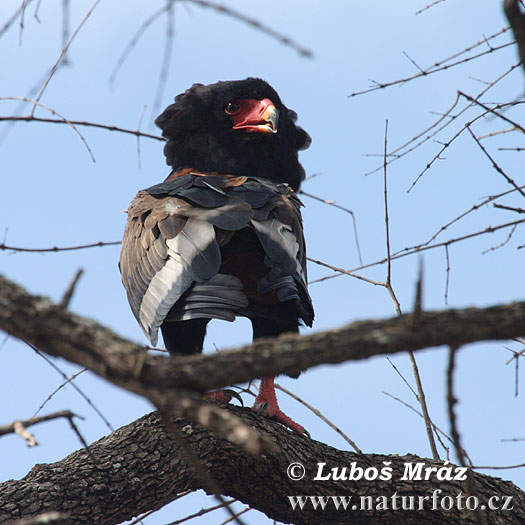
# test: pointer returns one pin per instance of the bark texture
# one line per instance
(87, 343)
(140, 467)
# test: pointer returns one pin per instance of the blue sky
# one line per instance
(54, 194)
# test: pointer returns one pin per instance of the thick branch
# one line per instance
(139, 467)
(83, 341)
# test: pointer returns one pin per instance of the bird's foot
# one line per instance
(266, 404)
(224, 396)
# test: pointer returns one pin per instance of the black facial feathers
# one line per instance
(200, 134)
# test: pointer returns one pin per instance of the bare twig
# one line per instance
(166, 58)
(493, 111)
(429, 71)
(31, 118)
(501, 244)
(432, 4)
(12, 19)
(285, 40)
(411, 251)
(342, 271)
(63, 54)
(388, 282)
(235, 516)
(509, 208)
(322, 417)
(64, 303)
(447, 281)
(437, 127)
(63, 120)
(495, 165)
(201, 512)
(134, 40)
(21, 430)
(451, 401)
(99, 244)
(138, 136)
(82, 394)
(438, 432)
(10, 428)
(415, 369)
(50, 396)
(339, 207)
(460, 451)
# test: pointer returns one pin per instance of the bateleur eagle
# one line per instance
(222, 236)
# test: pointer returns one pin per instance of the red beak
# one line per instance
(257, 116)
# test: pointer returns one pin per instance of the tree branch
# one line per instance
(140, 467)
(85, 342)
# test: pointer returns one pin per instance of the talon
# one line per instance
(261, 408)
(233, 393)
(224, 396)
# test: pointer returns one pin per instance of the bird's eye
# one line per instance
(231, 108)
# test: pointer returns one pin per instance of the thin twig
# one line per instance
(432, 4)
(342, 271)
(88, 401)
(501, 244)
(50, 396)
(68, 294)
(322, 417)
(10, 428)
(134, 40)
(495, 165)
(12, 19)
(201, 512)
(388, 282)
(447, 281)
(460, 451)
(166, 58)
(287, 41)
(339, 207)
(426, 72)
(99, 244)
(31, 118)
(415, 369)
(439, 127)
(63, 54)
(63, 120)
(422, 401)
(401, 376)
(509, 208)
(411, 251)
(437, 430)
(138, 136)
(451, 401)
(231, 518)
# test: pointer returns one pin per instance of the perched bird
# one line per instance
(222, 236)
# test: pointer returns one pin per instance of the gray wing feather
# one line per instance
(210, 298)
(170, 248)
(280, 232)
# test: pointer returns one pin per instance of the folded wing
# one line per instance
(171, 250)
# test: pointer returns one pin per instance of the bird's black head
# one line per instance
(238, 127)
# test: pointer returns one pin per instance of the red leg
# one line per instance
(266, 403)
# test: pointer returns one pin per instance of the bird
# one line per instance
(222, 236)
